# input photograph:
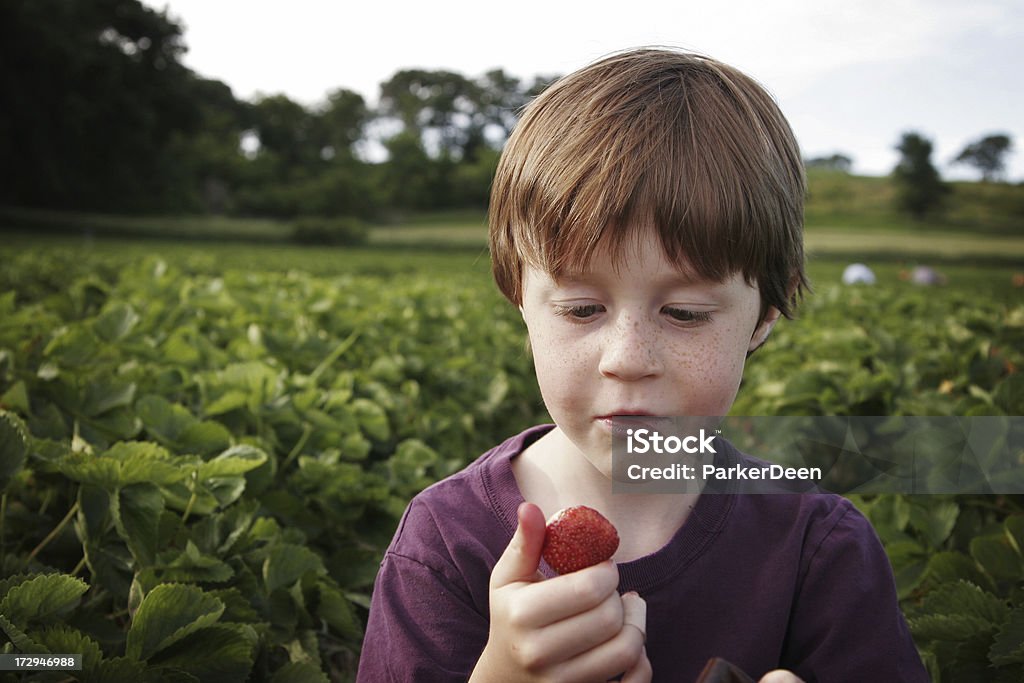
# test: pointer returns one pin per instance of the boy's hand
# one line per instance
(569, 628)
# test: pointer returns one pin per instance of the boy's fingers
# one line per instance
(641, 671)
(521, 558)
(780, 676)
(634, 610)
(624, 652)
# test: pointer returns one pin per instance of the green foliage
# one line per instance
(988, 155)
(900, 350)
(920, 188)
(101, 99)
(203, 464)
(202, 471)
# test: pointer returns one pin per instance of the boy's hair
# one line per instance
(653, 137)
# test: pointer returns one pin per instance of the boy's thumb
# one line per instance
(521, 558)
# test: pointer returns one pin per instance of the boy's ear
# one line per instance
(763, 329)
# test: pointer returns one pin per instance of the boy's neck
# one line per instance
(553, 475)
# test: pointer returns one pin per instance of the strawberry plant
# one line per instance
(201, 472)
(200, 464)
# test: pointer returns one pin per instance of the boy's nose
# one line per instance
(630, 351)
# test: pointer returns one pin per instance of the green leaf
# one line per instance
(18, 637)
(241, 385)
(947, 627)
(226, 402)
(42, 597)
(123, 464)
(222, 653)
(286, 564)
(118, 670)
(965, 599)
(74, 347)
(102, 395)
(304, 647)
(945, 567)
(935, 520)
(338, 612)
(11, 581)
(238, 608)
(372, 419)
(136, 510)
(169, 613)
(17, 398)
(1008, 647)
(61, 639)
(162, 419)
(1015, 528)
(193, 565)
(146, 462)
(143, 582)
(115, 322)
(234, 461)
(204, 438)
(299, 672)
(909, 576)
(997, 557)
(226, 490)
(220, 531)
(13, 447)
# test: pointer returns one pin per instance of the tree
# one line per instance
(456, 117)
(920, 189)
(440, 107)
(94, 97)
(988, 155)
(341, 124)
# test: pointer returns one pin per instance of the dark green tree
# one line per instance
(341, 123)
(920, 190)
(988, 155)
(440, 107)
(94, 96)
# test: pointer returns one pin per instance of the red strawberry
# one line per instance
(578, 537)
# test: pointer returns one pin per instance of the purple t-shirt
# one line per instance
(790, 581)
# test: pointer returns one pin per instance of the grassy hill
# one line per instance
(868, 203)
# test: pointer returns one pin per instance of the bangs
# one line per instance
(698, 152)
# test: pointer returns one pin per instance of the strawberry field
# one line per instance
(203, 456)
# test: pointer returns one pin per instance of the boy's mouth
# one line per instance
(637, 419)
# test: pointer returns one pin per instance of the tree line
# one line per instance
(100, 114)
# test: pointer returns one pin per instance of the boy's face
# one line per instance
(644, 339)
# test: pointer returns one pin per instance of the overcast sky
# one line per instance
(851, 75)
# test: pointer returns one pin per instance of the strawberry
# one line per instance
(578, 537)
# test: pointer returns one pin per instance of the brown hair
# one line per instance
(656, 137)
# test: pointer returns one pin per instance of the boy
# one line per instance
(646, 219)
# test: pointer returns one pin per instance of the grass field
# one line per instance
(977, 241)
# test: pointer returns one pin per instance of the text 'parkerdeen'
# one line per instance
(648, 441)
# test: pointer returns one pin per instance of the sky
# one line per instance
(851, 76)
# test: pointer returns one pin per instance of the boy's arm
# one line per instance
(847, 624)
(421, 627)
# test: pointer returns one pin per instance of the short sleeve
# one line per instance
(421, 627)
(846, 624)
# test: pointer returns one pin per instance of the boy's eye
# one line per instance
(685, 316)
(579, 312)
